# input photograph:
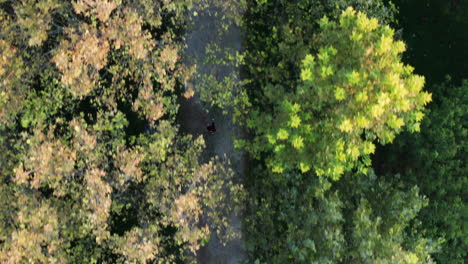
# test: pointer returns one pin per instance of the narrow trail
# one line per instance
(194, 118)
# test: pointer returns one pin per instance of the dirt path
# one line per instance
(194, 117)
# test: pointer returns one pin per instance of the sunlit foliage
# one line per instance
(354, 92)
(95, 169)
(321, 97)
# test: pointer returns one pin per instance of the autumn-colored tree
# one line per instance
(95, 169)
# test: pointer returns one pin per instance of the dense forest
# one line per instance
(234, 131)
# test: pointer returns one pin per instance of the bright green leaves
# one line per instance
(384, 45)
(295, 108)
(297, 217)
(326, 71)
(418, 116)
(306, 75)
(368, 147)
(324, 56)
(414, 83)
(324, 22)
(377, 111)
(395, 122)
(425, 98)
(399, 46)
(340, 93)
(346, 126)
(438, 159)
(353, 152)
(304, 167)
(282, 134)
(295, 121)
(366, 24)
(353, 77)
(297, 142)
(353, 91)
(308, 61)
(347, 19)
(361, 121)
(277, 168)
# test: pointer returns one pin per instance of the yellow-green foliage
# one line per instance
(353, 92)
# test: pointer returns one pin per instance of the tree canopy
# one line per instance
(313, 197)
(435, 160)
(353, 92)
(351, 154)
(96, 170)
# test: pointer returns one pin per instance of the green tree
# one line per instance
(436, 161)
(278, 35)
(360, 219)
(317, 120)
(354, 92)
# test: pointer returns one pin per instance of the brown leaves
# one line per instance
(36, 240)
(187, 209)
(128, 162)
(206, 201)
(138, 245)
(186, 215)
(81, 58)
(84, 141)
(7, 55)
(127, 30)
(49, 161)
(149, 102)
(81, 160)
(169, 56)
(185, 73)
(11, 71)
(34, 18)
(189, 93)
(97, 201)
(98, 8)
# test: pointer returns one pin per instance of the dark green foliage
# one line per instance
(435, 32)
(361, 219)
(436, 161)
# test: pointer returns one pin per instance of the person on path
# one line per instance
(211, 128)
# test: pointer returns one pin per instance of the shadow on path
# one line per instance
(194, 118)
